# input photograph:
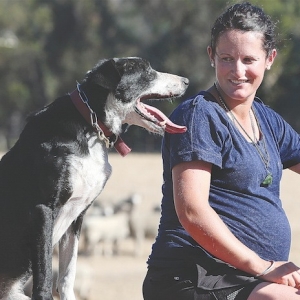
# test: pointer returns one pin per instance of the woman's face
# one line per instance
(240, 63)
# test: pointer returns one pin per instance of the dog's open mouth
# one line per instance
(157, 117)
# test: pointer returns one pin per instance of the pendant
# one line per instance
(267, 181)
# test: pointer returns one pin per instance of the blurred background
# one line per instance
(46, 45)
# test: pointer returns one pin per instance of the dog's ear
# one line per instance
(105, 74)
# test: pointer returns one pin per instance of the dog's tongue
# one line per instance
(164, 121)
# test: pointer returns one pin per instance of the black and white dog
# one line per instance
(60, 165)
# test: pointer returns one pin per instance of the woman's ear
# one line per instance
(271, 59)
(210, 55)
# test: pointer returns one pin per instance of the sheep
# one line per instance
(109, 230)
(111, 224)
(144, 225)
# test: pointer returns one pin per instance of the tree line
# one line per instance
(46, 45)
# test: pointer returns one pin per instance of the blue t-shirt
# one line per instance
(252, 212)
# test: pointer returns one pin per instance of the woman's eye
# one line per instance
(248, 60)
(226, 59)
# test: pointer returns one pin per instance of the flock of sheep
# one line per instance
(106, 226)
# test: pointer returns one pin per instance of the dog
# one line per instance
(59, 165)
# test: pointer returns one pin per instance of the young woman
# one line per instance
(223, 232)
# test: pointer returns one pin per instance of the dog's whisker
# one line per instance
(126, 128)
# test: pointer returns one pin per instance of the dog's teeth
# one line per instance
(163, 123)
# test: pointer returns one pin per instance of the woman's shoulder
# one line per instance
(202, 97)
(202, 108)
(202, 101)
(265, 111)
(273, 121)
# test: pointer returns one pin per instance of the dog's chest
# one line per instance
(88, 176)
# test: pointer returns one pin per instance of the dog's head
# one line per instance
(128, 82)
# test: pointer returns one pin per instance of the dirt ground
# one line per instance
(121, 277)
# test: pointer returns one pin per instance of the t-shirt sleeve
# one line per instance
(203, 139)
(287, 138)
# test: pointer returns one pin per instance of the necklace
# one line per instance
(264, 156)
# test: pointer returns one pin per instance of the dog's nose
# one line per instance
(185, 81)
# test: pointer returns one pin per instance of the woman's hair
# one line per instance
(245, 17)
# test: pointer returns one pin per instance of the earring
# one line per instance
(268, 67)
(212, 64)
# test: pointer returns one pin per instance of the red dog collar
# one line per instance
(105, 134)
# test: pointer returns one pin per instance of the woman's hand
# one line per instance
(283, 272)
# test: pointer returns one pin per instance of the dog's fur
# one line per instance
(59, 166)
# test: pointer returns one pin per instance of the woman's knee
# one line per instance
(274, 291)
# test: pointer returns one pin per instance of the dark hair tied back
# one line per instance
(245, 17)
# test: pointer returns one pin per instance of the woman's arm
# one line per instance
(191, 182)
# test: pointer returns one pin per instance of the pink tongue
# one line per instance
(161, 117)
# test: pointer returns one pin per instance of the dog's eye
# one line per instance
(128, 67)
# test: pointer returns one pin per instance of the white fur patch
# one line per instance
(116, 112)
(88, 177)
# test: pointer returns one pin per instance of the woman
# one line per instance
(223, 232)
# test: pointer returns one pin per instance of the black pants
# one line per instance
(180, 284)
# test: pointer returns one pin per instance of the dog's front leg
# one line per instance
(68, 249)
(42, 253)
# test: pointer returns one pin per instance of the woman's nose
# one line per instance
(238, 68)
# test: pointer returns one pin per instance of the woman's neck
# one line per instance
(240, 113)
